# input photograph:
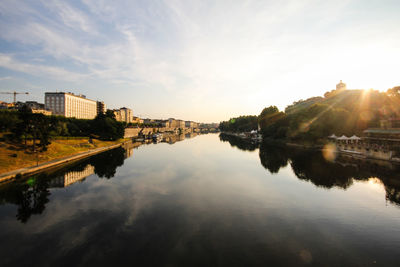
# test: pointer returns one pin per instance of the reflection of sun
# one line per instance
(375, 183)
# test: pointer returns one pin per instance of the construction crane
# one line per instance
(15, 94)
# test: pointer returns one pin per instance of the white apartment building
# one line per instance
(70, 105)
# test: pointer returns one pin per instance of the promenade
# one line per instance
(53, 163)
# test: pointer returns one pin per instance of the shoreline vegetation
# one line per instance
(28, 139)
(308, 123)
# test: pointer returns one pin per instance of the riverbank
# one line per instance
(16, 160)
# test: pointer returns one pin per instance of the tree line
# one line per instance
(23, 125)
(338, 112)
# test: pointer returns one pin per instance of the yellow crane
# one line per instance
(15, 94)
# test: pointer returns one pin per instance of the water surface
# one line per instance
(205, 201)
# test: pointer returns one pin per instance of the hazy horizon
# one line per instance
(205, 61)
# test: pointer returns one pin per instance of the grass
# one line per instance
(15, 156)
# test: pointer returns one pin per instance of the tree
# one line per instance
(107, 128)
(395, 91)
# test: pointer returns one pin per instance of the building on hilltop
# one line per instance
(341, 86)
(70, 105)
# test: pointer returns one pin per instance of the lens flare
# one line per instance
(329, 152)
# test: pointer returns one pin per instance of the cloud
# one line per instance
(7, 61)
(71, 16)
(5, 78)
(237, 57)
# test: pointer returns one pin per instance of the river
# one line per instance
(211, 200)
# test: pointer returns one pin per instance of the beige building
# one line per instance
(165, 124)
(180, 124)
(137, 120)
(191, 124)
(43, 111)
(172, 123)
(70, 105)
(124, 114)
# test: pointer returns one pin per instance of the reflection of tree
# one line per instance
(273, 158)
(105, 164)
(30, 197)
(393, 193)
(238, 142)
(311, 166)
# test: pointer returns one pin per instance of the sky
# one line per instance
(205, 61)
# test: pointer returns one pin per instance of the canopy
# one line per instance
(354, 137)
(333, 136)
(343, 137)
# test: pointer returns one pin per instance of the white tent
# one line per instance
(343, 137)
(354, 137)
(333, 136)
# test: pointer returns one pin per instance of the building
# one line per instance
(149, 121)
(188, 124)
(165, 124)
(137, 120)
(101, 107)
(172, 123)
(341, 86)
(5, 105)
(124, 114)
(71, 105)
(180, 124)
(191, 124)
(36, 107)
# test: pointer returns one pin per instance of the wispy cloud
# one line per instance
(7, 61)
(236, 57)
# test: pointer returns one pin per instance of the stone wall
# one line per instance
(134, 132)
(367, 152)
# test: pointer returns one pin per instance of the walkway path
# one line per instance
(34, 169)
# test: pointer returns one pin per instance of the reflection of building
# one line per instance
(191, 135)
(70, 105)
(72, 177)
(124, 114)
(128, 152)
